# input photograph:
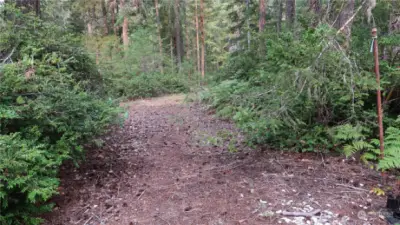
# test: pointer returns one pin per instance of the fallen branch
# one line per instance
(305, 214)
(9, 56)
(351, 187)
(87, 221)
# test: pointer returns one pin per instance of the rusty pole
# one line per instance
(378, 92)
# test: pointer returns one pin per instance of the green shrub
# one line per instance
(292, 99)
(51, 105)
(146, 85)
(135, 73)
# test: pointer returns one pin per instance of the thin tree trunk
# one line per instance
(290, 12)
(261, 23)
(187, 40)
(172, 54)
(279, 19)
(29, 5)
(104, 11)
(197, 39)
(90, 29)
(113, 4)
(159, 36)
(125, 38)
(97, 55)
(178, 35)
(37, 8)
(314, 7)
(248, 24)
(203, 38)
(89, 23)
(394, 27)
(343, 22)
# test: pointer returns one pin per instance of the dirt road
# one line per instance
(174, 163)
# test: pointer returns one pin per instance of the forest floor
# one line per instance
(163, 167)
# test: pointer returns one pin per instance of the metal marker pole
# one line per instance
(378, 92)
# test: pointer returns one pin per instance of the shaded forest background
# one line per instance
(293, 75)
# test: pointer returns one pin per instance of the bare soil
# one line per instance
(166, 167)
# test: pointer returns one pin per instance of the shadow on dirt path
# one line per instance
(172, 163)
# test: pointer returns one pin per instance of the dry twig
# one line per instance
(305, 214)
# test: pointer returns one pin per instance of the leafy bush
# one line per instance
(135, 73)
(51, 105)
(305, 94)
(146, 85)
(294, 96)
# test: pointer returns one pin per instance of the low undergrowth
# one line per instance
(140, 70)
(52, 104)
(308, 93)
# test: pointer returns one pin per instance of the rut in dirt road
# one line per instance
(171, 164)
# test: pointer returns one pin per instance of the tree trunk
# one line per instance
(290, 12)
(104, 11)
(29, 5)
(261, 23)
(197, 39)
(125, 38)
(248, 24)
(345, 21)
(89, 23)
(37, 8)
(159, 36)
(187, 40)
(171, 43)
(314, 7)
(394, 26)
(279, 17)
(90, 29)
(178, 38)
(113, 4)
(203, 38)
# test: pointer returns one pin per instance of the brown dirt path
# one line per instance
(166, 166)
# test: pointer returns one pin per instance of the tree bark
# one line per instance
(159, 35)
(178, 38)
(29, 5)
(113, 4)
(290, 12)
(394, 26)
(125, 38)
(344, 21)
(314, 7)
(261, 23)
(248, 24)
(279, 17)
(104, 11)
(197, 39)
(186, 32)
(89, 23)
(203, 38)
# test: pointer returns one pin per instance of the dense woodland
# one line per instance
(294, 75)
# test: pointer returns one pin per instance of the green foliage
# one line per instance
(146, 85)
(51, 105)
(392, 149)
(289, 100)
(136, 72)
(303, 90)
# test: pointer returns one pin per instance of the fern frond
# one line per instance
(356, 146)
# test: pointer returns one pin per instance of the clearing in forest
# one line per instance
(175, 163)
